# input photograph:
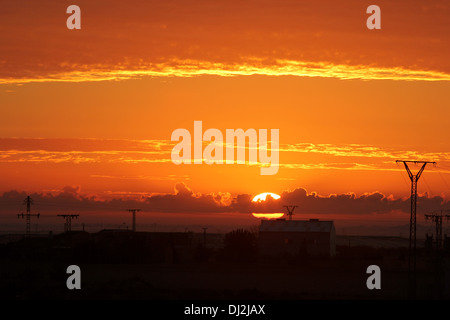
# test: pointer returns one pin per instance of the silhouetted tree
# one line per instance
(240, 245)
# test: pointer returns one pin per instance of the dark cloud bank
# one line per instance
(184, 200)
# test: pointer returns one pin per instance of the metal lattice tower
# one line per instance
(134, 217)
(436, 217)
(68, 222)
(290, 210)
(28, 201)
(412, 225)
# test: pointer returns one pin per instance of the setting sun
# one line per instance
(263, 196)
(268, 215)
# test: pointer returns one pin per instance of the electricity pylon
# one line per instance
(134, 217)
(290, 210)
(436, 217)
(439, 263)
(28, 201)
(68, 223)
(412, 225)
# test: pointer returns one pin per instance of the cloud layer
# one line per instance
(226, 38)
(185, 200)
(190, 68)
(330, 156)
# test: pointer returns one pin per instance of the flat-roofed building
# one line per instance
(297, 237)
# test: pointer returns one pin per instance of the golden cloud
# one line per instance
(192, 68)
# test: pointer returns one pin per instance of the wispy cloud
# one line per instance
(170, 177)
(81, 156)
(84, 150)
(224, 38)
(192, 68)
(359, 150)
(325, 156)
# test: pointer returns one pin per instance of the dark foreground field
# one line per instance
(37, 270)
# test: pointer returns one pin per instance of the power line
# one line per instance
(428, 187)
(445, 182)
(403, 176)
(97, 207)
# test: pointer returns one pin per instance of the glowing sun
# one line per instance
(263, 196)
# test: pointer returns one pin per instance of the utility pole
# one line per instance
(28, 201)
(290, 210)
(412, 225)
(68, 223)
(133, 211)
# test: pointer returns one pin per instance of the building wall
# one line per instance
(298, 243)
(333, 242)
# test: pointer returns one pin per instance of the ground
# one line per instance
(342, 277)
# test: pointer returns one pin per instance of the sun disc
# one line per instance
(263, 196)
(275, 215)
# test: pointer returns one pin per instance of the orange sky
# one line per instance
(95, 108)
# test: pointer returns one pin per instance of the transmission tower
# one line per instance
(436, 217)
(439, 262)
(28, 201)
(133, 211)
(290, 210)
(412, 225)
(68, 222)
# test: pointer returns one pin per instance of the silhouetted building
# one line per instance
(297, 237)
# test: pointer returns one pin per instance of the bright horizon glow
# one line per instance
(275, 215)
(263, 196)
